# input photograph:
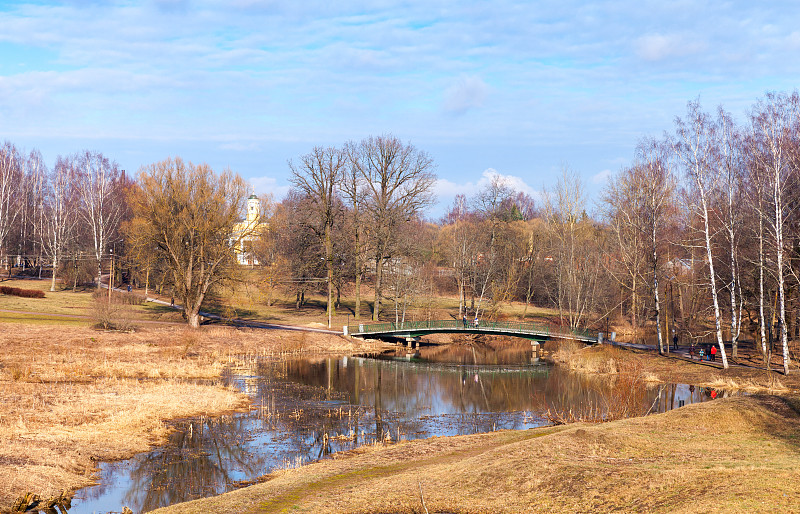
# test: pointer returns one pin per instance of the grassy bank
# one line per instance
(71, 395)
(652, 367)
(733, 455)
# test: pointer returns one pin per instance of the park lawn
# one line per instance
(62, 301)
(247, 299)
(739, 454)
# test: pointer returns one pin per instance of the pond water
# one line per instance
(307, 409)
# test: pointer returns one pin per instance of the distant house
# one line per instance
(247, 231)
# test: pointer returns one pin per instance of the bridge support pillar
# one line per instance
(411, 342)
(537, 350)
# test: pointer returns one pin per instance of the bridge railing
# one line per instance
(458, 325)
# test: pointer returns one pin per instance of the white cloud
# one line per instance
(269, 185)
(657, 47)
(602, 177)
(447, 189)
(512, 181)
(468, 93)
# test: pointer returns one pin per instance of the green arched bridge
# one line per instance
(414, 329)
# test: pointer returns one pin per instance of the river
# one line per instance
(306, 409)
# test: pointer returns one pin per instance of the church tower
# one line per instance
(253, 209)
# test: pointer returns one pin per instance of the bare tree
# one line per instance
(318, 175)
(574, 250)
(398, 179)
(460, 243)
(658, 186)
(354, 189)
(773, 122)
(696, 148)
(10, 186)
(489, 205)
(59, 213)
(730, 163)
(101, 186)
(189, 214)
(623, 201)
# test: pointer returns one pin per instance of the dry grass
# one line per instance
(587, 359)
(70, 396)
(654, 368)
(731, 455)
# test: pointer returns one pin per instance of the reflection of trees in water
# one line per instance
(197, 462)
(307, 410)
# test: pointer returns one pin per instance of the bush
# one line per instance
(114, 315)
(23, 293)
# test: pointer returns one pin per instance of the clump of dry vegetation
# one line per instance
(588, 359)
(112, 314)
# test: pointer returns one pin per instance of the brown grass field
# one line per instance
(72, 395)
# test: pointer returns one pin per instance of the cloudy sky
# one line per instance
(519, 89)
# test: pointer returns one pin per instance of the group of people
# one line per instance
(473, 323)
(707, 352)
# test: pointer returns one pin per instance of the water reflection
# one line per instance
(307, 409)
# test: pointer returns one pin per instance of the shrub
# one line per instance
(114, 315)
(24, 293)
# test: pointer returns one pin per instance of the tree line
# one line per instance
(66, 217)
(698, 238)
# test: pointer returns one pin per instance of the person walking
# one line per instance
(464, 319)
(713, 353)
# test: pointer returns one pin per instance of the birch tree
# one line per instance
(695, 147)
(10, 185)
(773, 121)
(101, 192)
(573, 250)
(59, 213)
(731, 170)
(658, 186)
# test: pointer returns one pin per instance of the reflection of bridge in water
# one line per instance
(411, 330)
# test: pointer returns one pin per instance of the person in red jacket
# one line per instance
(713, 353)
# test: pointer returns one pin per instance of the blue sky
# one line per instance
(514, 88)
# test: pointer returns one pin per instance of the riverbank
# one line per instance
(71, 396)
(649, 366)
(732, 455)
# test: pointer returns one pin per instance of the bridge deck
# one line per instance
(509, 328)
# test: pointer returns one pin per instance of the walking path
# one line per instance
(683, 353)
(236, 322)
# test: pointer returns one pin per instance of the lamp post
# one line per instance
(111, 276)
